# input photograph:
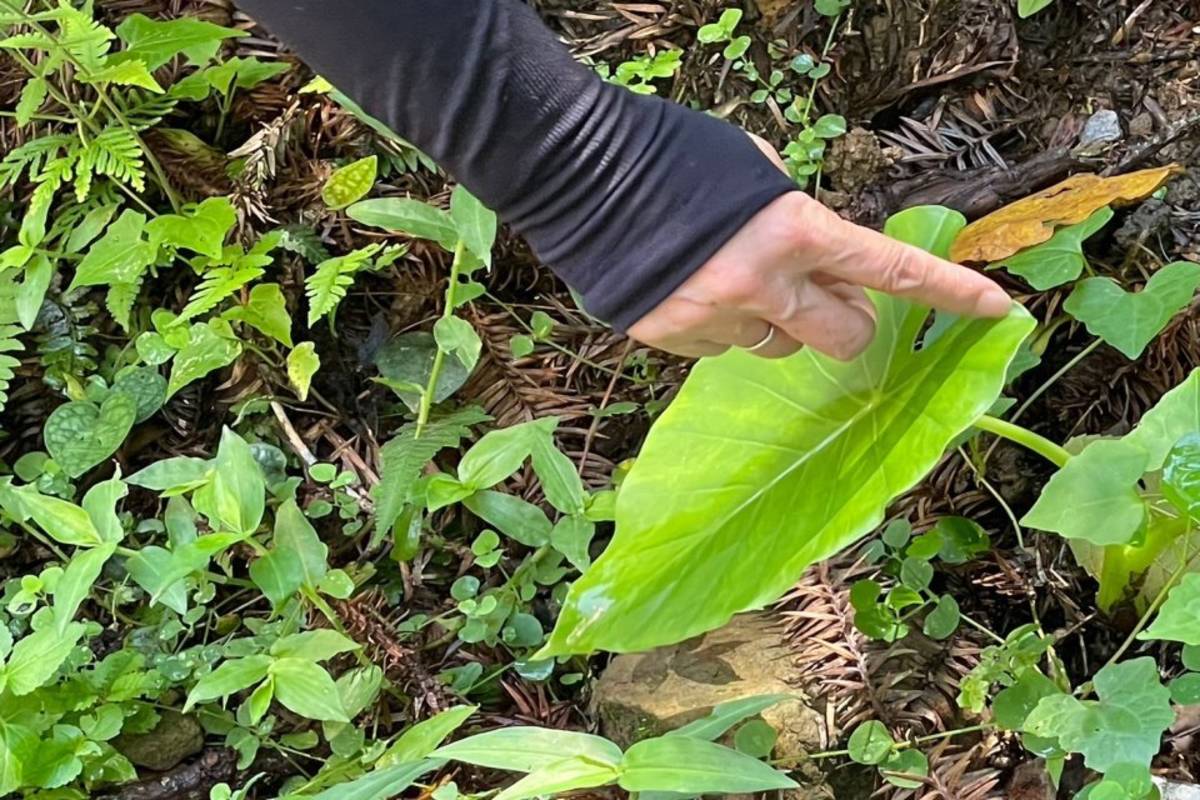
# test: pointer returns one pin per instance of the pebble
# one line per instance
(1171, 790)
(1102, 129)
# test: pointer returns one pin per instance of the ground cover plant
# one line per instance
(314, 485)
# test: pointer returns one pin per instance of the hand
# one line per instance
(796, 271)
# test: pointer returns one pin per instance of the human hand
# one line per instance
(795, 273)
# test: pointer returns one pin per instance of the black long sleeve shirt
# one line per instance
(623, 195)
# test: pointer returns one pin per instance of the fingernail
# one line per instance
(995, 302)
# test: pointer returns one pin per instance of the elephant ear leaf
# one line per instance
(760, 468)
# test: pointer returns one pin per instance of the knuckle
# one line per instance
(792, 305)
(902, 273)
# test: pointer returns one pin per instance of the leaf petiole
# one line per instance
(1045, 448)
(460, 250)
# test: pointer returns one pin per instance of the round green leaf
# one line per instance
(756, 738)
(871, 743)
(464, 588)
(1185, 690)
(916, 574)
(905, 768)
(897, 533)
(944, 619)
(146, 386)
(1191, 657)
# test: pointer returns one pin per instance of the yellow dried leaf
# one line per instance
(1033, 220)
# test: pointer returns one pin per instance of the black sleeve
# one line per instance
(623, 195)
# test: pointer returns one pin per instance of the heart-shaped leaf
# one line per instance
(1061, 259)
(760, 467)
(1130, 320)
(1125, 725)
(1094, 496)
(147, 388)
(79, 435)
(407, 360)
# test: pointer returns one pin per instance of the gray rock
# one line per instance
(1102, 129)
(1172, 790)
(174, 738)
(647, 694)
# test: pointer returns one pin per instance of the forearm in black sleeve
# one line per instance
(623, 195)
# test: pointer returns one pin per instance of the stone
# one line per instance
(175, 737)
(643, 695)
(1101, 130)
(1172, 790)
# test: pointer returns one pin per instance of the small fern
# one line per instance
(114, 152)
(8, 364)
(218, 284)
(31, 156)
(141, 109)
(84, 38)
(327, 286)
(120, 299)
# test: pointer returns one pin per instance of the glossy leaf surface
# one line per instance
(760, 468)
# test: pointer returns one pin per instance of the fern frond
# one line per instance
(143, 110)
(327, 286)
(8, 344)
(218, 284)
(120, 299)
(114, 152)
(30, 157)
(405, 456)
(84, 38)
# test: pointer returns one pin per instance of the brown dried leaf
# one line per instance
(1033, 220)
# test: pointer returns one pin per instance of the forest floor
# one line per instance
(955, 102)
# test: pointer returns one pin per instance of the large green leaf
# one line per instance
(36, 658)
(577, 772)
(1094, 496)
(525, 749)
(680, 763)
(760, 468)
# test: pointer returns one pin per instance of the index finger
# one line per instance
(872, 260)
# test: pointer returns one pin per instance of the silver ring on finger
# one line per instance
(763, 342)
